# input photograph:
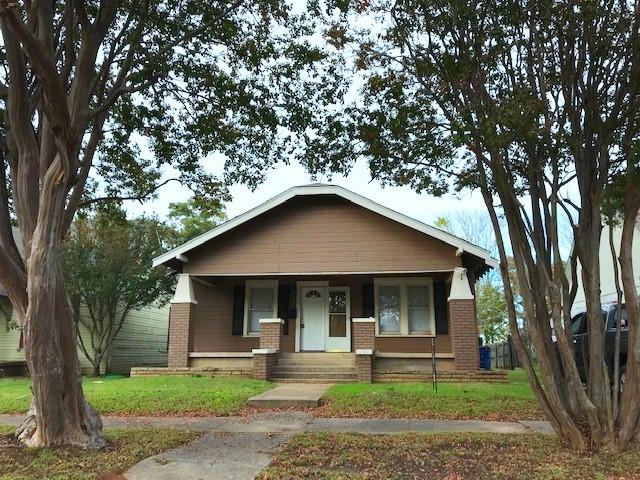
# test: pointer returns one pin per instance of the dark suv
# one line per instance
(581, 341)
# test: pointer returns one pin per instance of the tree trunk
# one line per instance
(59, 413)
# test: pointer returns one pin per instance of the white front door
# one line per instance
(314, 318)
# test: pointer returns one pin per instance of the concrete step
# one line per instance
(314, 368)
(318, 375)
(312, 380)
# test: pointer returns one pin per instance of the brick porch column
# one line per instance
(180, 315)
(364, 330)
(265, 357)
(271, 333)
(263, 361)
(463, 323)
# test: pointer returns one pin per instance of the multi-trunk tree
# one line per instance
(105, 100)
(537, 106)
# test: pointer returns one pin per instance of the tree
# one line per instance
(475, 226)
(107, 268)
(194, 217)
(109, 100)
(493, 317)
(524, 102)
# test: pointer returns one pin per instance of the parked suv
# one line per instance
(581, 341)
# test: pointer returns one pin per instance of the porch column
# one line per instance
(463, 324)
(265, 357)
(180, 315)
(364, 344)
(271, 333)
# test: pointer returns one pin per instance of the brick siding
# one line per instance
(364, 367)
(271, 335)
(364, 335)
(179, 321)
(263, 365)
(464, 334)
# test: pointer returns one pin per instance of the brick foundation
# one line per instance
(190, 371)
(179, 321)
(364, 338)
(479, 376)
(263, 364)
(464, 334)
(364, 367)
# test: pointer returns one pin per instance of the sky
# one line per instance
(402, 199)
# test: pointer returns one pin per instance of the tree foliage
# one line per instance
(491, 309)
(537, 106)
(107, 268)
(194, 217)
(110, 100)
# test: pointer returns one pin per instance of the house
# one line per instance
(141, 342)
(608, 293)
(322, 283)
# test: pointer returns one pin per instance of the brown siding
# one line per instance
(320, 234)
(212, 320)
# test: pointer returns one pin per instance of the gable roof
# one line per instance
(325, 189)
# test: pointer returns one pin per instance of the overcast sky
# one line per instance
(422, 207)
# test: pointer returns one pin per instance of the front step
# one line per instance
(313, 368)
(315, 374)
(312, 380)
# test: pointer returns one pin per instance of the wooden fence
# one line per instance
(503, 355)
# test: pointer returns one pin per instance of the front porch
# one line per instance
(294, 328)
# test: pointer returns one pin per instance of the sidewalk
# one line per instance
(295, 422)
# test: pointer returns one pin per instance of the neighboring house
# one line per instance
(320, 282)
(607, 276)
(141, 342)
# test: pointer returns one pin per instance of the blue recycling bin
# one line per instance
(485, 358)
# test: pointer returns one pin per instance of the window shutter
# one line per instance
(238, 310)
(368, 309)
(283, 307)
(441, 307)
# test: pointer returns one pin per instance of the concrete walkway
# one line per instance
(295, 422)
(238, 448)
(234, 456)
(291, 395)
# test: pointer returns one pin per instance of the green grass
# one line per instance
(149, 395)
(125, 448)
(450, 456)
(512, 401)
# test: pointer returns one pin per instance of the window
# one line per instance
(404, 306)
(338, 313)
(261, 298)
(418, 308)
(389, 308)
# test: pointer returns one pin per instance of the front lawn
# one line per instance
(463, 401)
(149, 395)
(126, 447)
(452, 456)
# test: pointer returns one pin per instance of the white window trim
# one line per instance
(249, 284)
(402, 283)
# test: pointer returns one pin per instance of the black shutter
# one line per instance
(368, 309)
(283, 307)
(441, 308)
(238, 310)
